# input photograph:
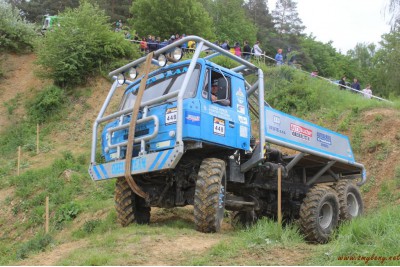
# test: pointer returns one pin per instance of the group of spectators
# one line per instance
(367, 92)
(246, 52)
(153, 43)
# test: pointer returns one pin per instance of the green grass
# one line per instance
(376, 234)
(258, 239)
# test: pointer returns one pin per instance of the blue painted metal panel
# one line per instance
(292, 130)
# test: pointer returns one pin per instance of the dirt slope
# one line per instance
(19, 80)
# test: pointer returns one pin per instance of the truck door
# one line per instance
(224, 121)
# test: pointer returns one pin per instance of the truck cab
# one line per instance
(224, 122)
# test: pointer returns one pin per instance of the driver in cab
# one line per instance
(216, 96)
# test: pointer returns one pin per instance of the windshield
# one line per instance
(164, 83)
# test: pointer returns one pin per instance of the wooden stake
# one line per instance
(19, 160)
(47, 215)
(279, 196)
(37, 139)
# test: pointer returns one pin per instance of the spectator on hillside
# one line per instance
(367, 91)
(171, 39)
(127, 35)
(279, 57)
(342, 83)
(246, 51)
(191, 46)
(184, 45)
(257, 50)
(356, 85)
(118, 25)
(143, 45)
(226, 46)
(152, 44)
(314, 73)
(163, 44)
(238, 50)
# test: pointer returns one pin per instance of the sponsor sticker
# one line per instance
(276, 129)
(243, 131)
(300, 132)
(239, 92)
(324, 139)
(243, 120)
(192, 118)
(276, 119)
(171, 116)
(163, 144)
(219, 126)
(241, 109)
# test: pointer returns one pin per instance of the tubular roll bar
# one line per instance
(202, 45)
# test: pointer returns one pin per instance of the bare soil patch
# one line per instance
(51, 257)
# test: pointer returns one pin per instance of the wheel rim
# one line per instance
(325, 215)
(352, 205)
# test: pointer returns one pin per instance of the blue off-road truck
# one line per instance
(203, 135)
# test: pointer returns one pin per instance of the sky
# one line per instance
(345, 22)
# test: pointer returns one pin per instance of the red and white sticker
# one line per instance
(300, 132)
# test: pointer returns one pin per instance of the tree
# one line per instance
(163, 18)
(286, 18)
(386, 79)
(16, 34)
(34, 10)
(82, 46)
(315, 55)
(231, 22)
(394, 9)
(258, 13)
(116, 10)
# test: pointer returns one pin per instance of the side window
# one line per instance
(220, 88)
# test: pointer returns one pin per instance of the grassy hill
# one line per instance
(83, 228)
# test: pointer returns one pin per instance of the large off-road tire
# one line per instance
(243, 219)
(350, 200)
(319, 214)
(209, 197)
(129, 206)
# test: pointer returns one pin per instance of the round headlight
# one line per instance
(177, 54)
(132, 73)
(121, 79)
(162, 60)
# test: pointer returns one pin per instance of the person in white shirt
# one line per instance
(367, 91)
(257, 50)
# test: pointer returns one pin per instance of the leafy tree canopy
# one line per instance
(82, 46)
(163, 18)
(16, 34)
(231, 22)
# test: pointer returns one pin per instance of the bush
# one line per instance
(38, 243)
(289, 91)
(81, 47)
(45, 104)
(16, 34)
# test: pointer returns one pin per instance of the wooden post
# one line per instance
(279, 196)
(47, 215)
(37, 139)
(19, 160)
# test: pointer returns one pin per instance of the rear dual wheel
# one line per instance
(350, 200)
(319, 214)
